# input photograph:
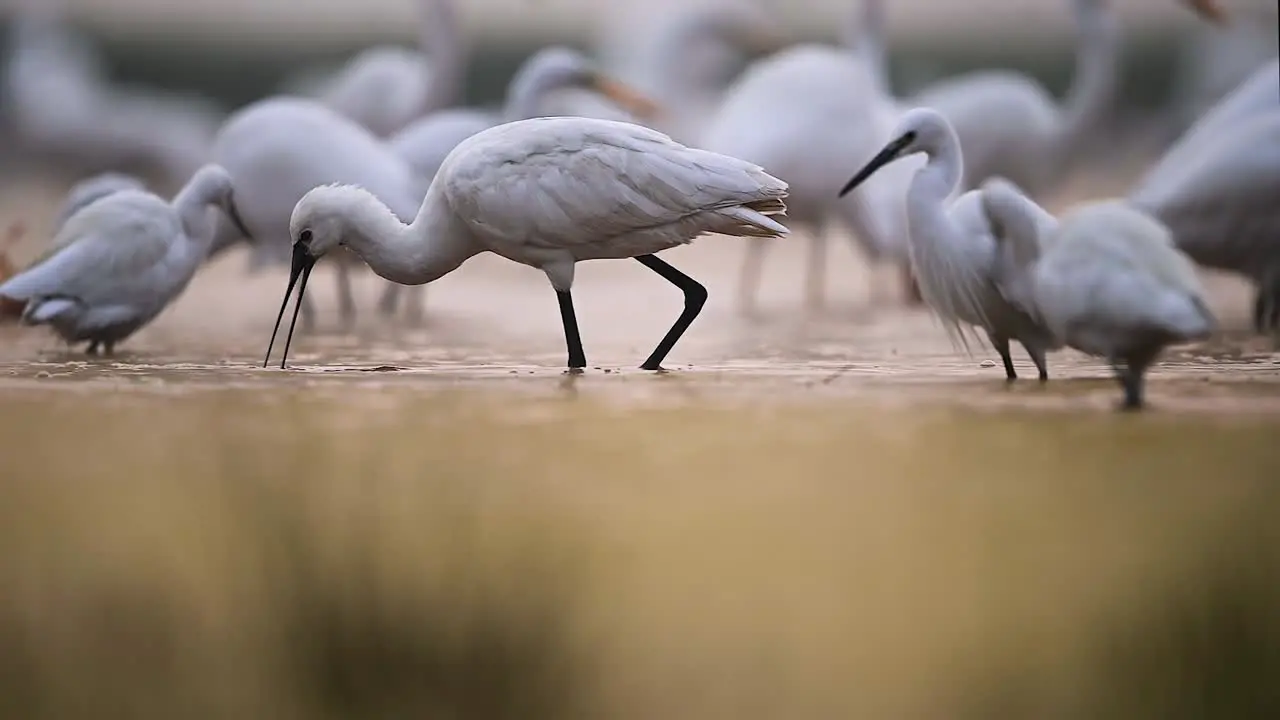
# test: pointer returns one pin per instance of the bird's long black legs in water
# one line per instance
(695, 296)
(92, 349)
(1002, 346)
(1131, 372)
(1266, 306)
(577, 358)
(346, 301)
(1037, 357)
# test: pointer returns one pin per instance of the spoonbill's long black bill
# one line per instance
(884, 157)
(301, 266)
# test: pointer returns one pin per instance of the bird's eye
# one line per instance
(304, 237)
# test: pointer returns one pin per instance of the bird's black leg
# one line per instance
(1002, 346)
(92, 349)
(1037, 357)
(695, 296)
(1131, 381)
(1266, 306)
(108, 347)
(577, 358)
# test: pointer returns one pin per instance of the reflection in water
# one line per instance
(376, 547)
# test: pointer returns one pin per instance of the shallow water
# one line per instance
(808, 516)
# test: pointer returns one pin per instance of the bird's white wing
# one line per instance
(104, 244)
(560, 182)
(1222, 202)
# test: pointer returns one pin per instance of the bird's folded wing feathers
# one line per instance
(86, 258)
(608, 187)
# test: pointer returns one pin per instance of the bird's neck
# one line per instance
(194, 205)
(931, 228)
(1093, 84)
(423, 251)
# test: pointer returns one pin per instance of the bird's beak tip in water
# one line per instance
(627, 98)
(301, 266)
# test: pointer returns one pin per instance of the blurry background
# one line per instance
(779, 534)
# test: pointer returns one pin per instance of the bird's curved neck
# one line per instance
(434, 244)
(192, 204)
(445, 46)
(1093, 85)
(928, 195)
(524, 95)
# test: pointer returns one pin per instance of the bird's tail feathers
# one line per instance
(753, 220)
(41, 311)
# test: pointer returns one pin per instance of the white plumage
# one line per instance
(549, 192)
(1108, 282)
(119, 261)
(954, 252)
(1217, 189)
(92, 189)
(1008, 124)
(807, 113)
(279, 148)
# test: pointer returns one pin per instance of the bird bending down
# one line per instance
(954, 252)
(119, 261)
(1109, 282)
(548, 193)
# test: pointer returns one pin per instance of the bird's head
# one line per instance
(212, 185)
(919, 130)
(559, 67)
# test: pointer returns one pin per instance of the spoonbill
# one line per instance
(548, 193)
(1217, 190)
(279, 148)
(1108, 282)
(118, 262)
(954, 252)
(1010, 126)
(425, 143)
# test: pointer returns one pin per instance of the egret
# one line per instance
(1108, 282)
(1217, 188)
(424, 144)
(548, 193)
(279, 148)
(1008, 124)
(118, 262)
(954, 253)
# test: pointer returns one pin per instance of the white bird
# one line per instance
(954, 252)
(1222, 53)
(1217, 189)
(386, 87)
(549, 193)
(92, 189)
(1108, 282)
(425, 143)
(120, 261)
(279, 148)
(1008, 124)
(805, 113)
(683, 53)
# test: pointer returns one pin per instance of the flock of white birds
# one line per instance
(380, 159)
